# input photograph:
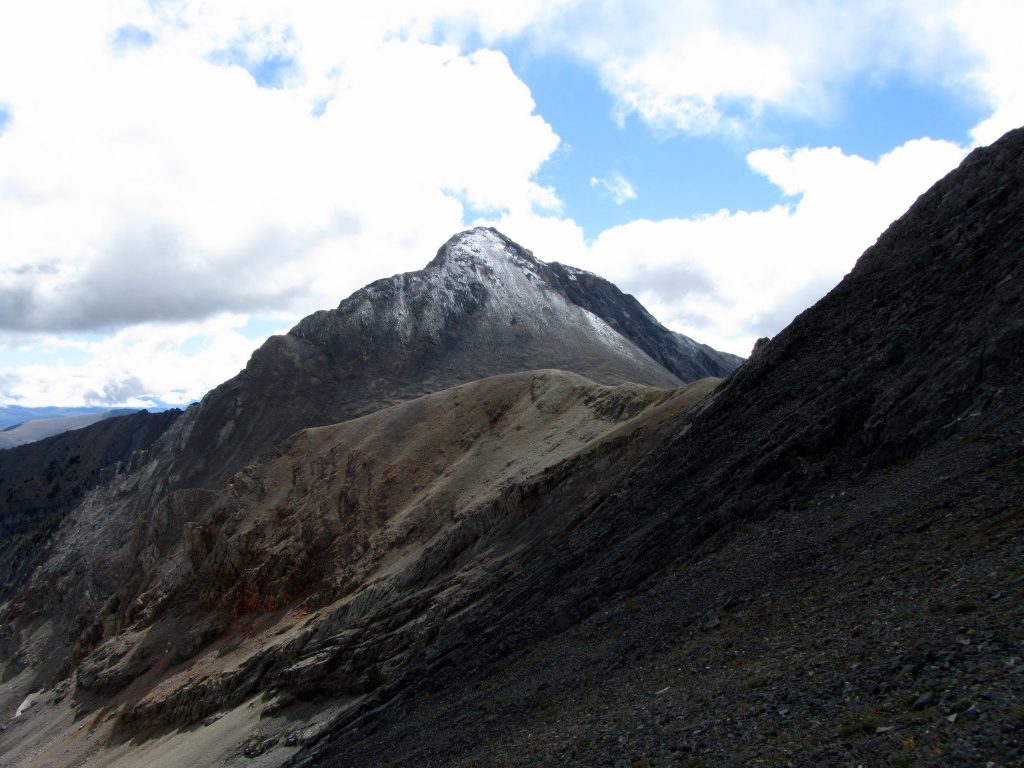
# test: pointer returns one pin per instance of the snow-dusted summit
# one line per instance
(482, 307)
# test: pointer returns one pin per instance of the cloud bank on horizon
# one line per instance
(179, 179)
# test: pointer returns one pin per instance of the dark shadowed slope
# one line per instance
(42, 481)
(686, 358)
(836, 535)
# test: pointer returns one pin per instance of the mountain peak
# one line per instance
(484, 248)
(483, 306)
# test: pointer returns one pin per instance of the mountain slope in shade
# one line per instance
(44, 480)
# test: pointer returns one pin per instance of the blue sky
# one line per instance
(674, 175)
(682, 175)
(178, 181)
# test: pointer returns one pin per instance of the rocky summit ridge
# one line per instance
(813, 562)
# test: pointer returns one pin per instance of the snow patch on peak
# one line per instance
(477, 235)
(485, 247)
(608, 335)
(480, 286)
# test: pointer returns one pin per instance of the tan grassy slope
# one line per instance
(322, 566)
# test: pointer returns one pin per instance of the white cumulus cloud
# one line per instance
(729, 277)
(718, 66)
(616, 186)
(154, 182)
(994, 29)
(138, 366)
(167, 170)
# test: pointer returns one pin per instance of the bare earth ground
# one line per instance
(386, 488)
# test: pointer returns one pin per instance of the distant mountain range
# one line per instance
(63, 419)
(12, 415)
(493, 513)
